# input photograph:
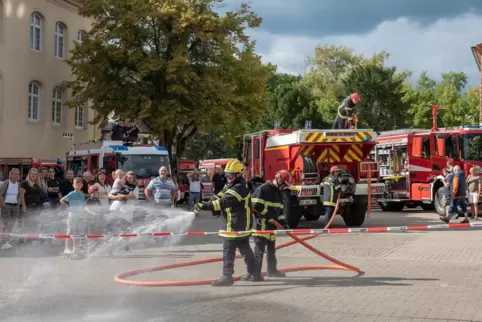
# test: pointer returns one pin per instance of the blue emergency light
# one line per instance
(119, 148)
(160, 148)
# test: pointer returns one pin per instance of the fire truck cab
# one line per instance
(308, 154)
(411, 163)
(144, 160)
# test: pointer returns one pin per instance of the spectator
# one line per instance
(446, 196)
(165, 191)
(474, 182)
(459, 193)
(10, 205)
(87, 180)
(67, 185)
(43, 176)
(53, 188)
(195, 186)
(103, 187)
(75, 221)
(30, 197)
(219, 180)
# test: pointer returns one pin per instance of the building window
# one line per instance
(79, 117)
(80, 36)
(34, 101)
(57, 106)
(60, 32)
(35, 31)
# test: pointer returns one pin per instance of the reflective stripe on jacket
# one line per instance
(331, 185)
(234, 205)
(267, 204)
(345, 110)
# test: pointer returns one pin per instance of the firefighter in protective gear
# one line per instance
(331, 187)
(344, 116)
(233, 204)
(267, 204)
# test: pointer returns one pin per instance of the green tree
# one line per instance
(382, 91)
(176, 64)
(291, 104)
(420, 96)
(471, 99)
(209, 145)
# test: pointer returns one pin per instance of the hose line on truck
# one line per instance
(337, 265)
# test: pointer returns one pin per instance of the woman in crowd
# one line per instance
(53, 185)
(30, 198)
(66, 186)
(122, 210)
(104, 187)
(43, 176)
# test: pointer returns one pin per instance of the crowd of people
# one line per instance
(455, 190)
(92, 204)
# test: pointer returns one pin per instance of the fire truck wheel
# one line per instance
(354, 214)
(397, 206)
(311, 216)
(439, 207)
(386, 206)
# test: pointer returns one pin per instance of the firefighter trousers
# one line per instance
(329, 211)
(230, 246)
(339, 124)
(260, 244)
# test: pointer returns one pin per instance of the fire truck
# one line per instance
(144, 160)
(186, 167)
(25, 164)
(411, 163)
(308, 154)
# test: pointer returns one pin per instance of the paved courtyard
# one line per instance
(410, 276)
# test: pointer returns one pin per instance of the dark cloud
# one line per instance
(337, 17)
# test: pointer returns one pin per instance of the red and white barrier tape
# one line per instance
(263, 232)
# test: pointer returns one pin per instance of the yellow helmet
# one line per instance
(234, 166)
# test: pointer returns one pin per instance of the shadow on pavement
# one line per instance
(354, 281)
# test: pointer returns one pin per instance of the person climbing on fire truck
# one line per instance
(234, 206)
(267, 204)
(331, 186)
(345, 115)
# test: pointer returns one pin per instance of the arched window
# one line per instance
(79, 117)
(34, 101)
(36, 31)
(60, 34)
(57, 104)
(80, 36)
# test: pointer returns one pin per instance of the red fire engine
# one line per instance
(24, 165)
(411, 163)
(187, 167)
(308, 154)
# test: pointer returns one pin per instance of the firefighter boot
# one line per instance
(252, 278)
(225, 280)
(277, 274)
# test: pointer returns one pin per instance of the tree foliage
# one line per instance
(176, 64)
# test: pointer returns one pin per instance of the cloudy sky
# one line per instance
(421, 35)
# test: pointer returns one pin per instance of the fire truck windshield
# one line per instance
(471, 147)
(143, 166)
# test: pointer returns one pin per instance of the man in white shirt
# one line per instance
(10, 205)
(195, 186)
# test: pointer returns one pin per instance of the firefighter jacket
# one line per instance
(345, 110)
(267, 204)
(234, 205)
(459, 186)
(331, 186)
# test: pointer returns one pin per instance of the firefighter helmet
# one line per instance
(284, 176)
(355, 97)
(334, 169)
(234, 166)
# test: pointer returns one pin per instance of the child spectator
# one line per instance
(119, 185)
(75, 221)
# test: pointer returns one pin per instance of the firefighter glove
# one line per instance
(285, 225)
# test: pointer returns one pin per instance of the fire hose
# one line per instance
(338, 265)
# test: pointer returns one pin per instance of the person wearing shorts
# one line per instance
(473, 184)
(75, 221)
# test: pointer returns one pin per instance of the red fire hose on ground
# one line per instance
(338, 265)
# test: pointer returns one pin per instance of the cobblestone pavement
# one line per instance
(411, 276)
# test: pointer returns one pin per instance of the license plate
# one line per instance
(307, 202)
